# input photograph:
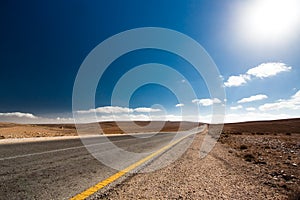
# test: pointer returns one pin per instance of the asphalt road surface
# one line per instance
(60, 169)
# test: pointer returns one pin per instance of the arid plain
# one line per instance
(267, 152)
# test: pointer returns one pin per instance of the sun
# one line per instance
(268, 21)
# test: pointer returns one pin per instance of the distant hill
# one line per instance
(273, 126)
(12, 130)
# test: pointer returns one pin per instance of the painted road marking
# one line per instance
(57, 150)
(44, 152)
(90, 191)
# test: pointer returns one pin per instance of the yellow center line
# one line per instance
(88, 192)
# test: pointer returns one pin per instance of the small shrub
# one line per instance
(242, 147)
(249, 157)
(295, 195)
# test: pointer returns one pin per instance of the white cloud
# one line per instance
(117, 109)
(107, 110)
(251, 109)
(293, 104)
(236, 107)
(216, 100)
(144, 109)
(263, 70)
(64, 120)
(253, 98)
(206, 102)
(195, 101)
(234, 81)
(179, 105)
(268, 69)
(19, 117)
(18, 114)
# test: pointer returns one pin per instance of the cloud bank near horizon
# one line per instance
(263, 112)
(118, 109)
(18, 115)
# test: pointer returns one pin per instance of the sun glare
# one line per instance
(269, 21)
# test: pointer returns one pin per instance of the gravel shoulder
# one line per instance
(220, 175)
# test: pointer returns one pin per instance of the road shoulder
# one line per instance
(220, 175)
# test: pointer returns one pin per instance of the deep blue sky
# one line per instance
(43, 44)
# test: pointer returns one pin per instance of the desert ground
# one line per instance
(12, 130)
(272, 151)
(252, 160)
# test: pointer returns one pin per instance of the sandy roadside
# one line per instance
(220, 175)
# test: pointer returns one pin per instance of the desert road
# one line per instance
(60, 169)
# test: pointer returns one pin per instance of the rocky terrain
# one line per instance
(257, 160)
(271, 149)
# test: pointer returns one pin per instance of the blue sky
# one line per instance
(255, 45)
